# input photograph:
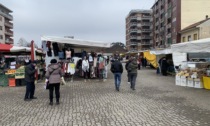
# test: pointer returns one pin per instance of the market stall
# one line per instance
(192, 73)
(13, 59)
(68, 51)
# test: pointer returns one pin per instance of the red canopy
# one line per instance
(5, 47)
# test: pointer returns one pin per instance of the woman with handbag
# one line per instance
(54, 74)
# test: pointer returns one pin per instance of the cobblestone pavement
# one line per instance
(155, 102)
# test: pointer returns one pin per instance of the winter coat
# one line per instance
(30, 73)
(54, 73)
(133, 66)
(117, 67)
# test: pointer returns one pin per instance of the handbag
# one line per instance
(47, 85)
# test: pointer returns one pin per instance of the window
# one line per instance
(183, 39)
(189, 38)
(195, 36)
(0, 27)
(1, 36)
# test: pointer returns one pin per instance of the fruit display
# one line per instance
(10, 71)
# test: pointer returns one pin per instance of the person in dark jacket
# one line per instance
(132, 68)
(30, 79)
(54, 74)
(117, 70)
(164, 66)
(126, 67)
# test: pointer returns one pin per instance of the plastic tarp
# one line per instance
(202, 45)
(151, 58)
(160, 52)
(76, 42)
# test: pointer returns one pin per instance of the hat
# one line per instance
(53, 61)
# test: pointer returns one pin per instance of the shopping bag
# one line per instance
(63, 82)
(46, 84)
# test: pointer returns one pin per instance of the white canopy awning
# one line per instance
(76, 42)
(202, 45)
(160, 52)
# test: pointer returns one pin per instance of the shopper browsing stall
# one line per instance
(54, 74)
(85, 68)
(30, 80)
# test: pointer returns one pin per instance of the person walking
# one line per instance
(85, 68)
(132, 68)
(126, 67)
(117, 70)
(54, 74)
(30, 70)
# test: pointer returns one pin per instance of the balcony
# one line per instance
(133, 30)
(146, 37)
(157, 23)
(146, 30)
(145, 43)
(133, 43)
(133, 50)
(133, 18)
(9, 32)
(133, 37)
(169, 25)
(169, 15)
(162, 11)
(138, 38)
(168, 35)
(157, 40)
(6, 15)
(9, 41)
(146, 24)
(133, 24)
(146, 17)
(169, 5)
(162, 29)
(8, 24)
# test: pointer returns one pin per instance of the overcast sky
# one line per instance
(98, 20)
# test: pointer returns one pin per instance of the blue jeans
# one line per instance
(117, 77)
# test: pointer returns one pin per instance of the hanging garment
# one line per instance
(49, 52)
(55, 49)
(85, 65)
(68, 54)
(71, 68)
(61, 55)
(72, 52)
(95, 62)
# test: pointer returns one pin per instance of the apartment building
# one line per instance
(199, 30)
(138, 30)
(6, 26)
(171, 16)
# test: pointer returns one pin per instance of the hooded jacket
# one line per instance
(54, 73)
(132, 67)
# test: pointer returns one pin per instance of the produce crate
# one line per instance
(190, 82)
(183, 81)
(198, 83)
(12, 82)
(3, 80)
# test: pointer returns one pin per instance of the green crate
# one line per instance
(4, 80)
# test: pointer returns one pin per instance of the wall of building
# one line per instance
(190, 33)
(193, 11)
(204, 30)
(2, 30)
